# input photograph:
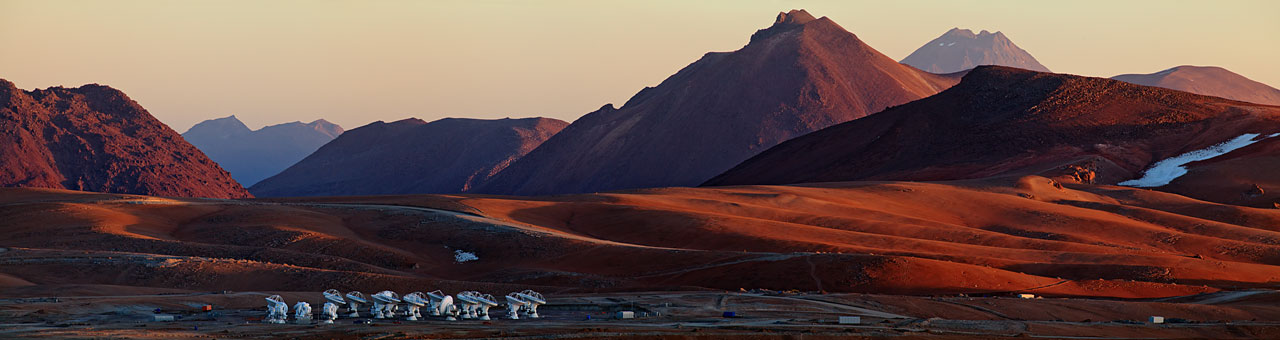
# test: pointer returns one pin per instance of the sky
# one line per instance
(355, 62)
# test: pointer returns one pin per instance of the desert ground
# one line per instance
(664, 315)
(914, 259)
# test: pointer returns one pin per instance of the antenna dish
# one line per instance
(436, 296)
(384, 304)
(414, 302)
(534, 299)
(514, 303)
(469, 304)
(447, 308)
(328, 312)
(354, 299)
(333, 295)
(277, 310)
(302, 312)
(486, 301)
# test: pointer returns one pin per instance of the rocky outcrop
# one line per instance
(94, 138)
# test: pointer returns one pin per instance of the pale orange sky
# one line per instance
(354, 62)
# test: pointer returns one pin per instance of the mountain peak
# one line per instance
(794, 17)
(960, 49)
(225, 126)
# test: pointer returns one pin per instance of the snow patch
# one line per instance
(1167, 170)
(462, 256)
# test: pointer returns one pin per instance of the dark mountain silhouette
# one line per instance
(450, 155)
(94, 138)
(1209, 81)
(252, 156)
(797, 76)
(1006, 121)
(960, 49)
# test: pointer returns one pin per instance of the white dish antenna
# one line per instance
(436, 296)
(414, 302)
(333, 295)
(277, 310)
(514, 303)
(469, 304)
(328, 312)
(484, 302)
(534, 299)
(354, 299)
(384, 304)
(302, 312)
(447, 308)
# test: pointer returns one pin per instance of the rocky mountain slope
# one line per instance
(799, 75)
(450, 155)
(1007, 121)
(94, 138)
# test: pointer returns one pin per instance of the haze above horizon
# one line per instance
(352, 62)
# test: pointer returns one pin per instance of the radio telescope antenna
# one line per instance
(448, 309)
(354, 299)
(277, 309)
(436, 297)
(514, 303)
(534, 299)
(333, 295)
(484, 302)
(413, 304)
(328, 312)
(384, 303)
(469, 303)
(302, 312)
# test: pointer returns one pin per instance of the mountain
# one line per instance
(94, 138)
(252, 156)
(960, 49)
(1006, 121)
(799, 75)
(450, 155)
(1209, 81)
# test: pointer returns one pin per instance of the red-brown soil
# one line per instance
(411, 156)
(1006, 121)
(95, 138)
(1209, 81)
(797, 76)
(992, 236)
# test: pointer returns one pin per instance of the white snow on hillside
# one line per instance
(462, 256)
(1167, 170)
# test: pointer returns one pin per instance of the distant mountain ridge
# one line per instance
(799, 75)
(252, 156)
(411, 156)
(1002, 121)
(1208, 80)
(94, 138)
(961, 49)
